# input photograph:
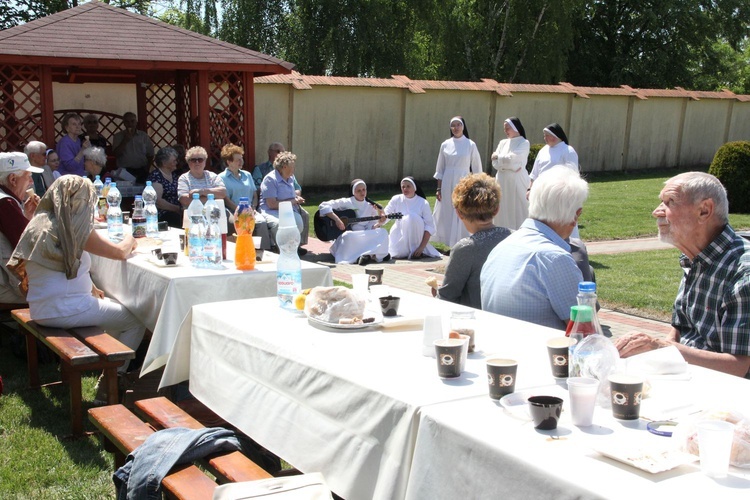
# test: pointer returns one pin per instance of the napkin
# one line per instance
(403, 322)
(664, 361)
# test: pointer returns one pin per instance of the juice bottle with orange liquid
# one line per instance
(244, 250)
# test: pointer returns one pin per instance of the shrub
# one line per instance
(533, 151)
(731, 165)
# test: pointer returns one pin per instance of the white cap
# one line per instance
(17, 162)
(286, 215)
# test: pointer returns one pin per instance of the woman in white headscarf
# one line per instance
(410, 236)
(509, 159)
(52, 261)
(366, 240)
(556, 151)
(458, 157)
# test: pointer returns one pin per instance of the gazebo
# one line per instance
(190, 89)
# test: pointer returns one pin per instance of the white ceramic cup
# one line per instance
(715, 444)
(582, 392)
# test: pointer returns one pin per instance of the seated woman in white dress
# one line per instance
(366, 241)
(53, 262)
(410, 236)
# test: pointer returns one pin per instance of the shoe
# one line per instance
(386, 258)
(301, 251)
(364, 260)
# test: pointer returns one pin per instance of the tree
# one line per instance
(653, 43)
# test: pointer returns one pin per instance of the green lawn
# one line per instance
(619, 204)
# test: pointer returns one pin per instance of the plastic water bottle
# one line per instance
(98, 186)
(103, 199)
(152, 213)
(583, 326)
(197, 229)
(212, 235)
(114, 213)
(288, 267)
(138, 219)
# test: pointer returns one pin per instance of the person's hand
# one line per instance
(494, 156)
(439, 196)
(638, 342)
(129, 244)
(340, 224)
(29, 205)
(96, 292)
(433, 291)
(417, 253)
(299, 199)
(527, 194)
(86, 143)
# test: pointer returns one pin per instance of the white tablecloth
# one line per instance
(162, 296)
(346, 402)
(491, 452)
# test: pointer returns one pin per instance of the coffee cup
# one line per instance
(501, 376)
(557, 349)
(626, 395)
(170, 258)
(375, 275)
(449, 353)
(389, 305)
(545, 411)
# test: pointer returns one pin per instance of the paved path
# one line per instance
(411, 275)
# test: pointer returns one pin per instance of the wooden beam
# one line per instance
(204, 125)
(248, 101)
(47, 105)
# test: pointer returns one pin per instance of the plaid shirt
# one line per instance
(712, 308)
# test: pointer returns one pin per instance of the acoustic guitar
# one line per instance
(326, 229)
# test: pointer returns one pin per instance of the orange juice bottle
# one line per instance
(244, 251)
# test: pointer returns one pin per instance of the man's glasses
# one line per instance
(197, 160)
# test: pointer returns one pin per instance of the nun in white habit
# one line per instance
(366, 241)
(458, 157)
(410, 235)
(509, 159)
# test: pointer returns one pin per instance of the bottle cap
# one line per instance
(286, 215)
(587, 287)
(113, 185)
(210, 196)
(244, 199)
(148, 183)
(138, 197)
(196, 196)
(108, 179)
(97, 177)
(583, 314)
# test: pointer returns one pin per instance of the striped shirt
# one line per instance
(712, 308)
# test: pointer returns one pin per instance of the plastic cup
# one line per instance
(359, 284)
(582, 391)
(715, 444)
(256, 241)
(545, 411)
(432, 331)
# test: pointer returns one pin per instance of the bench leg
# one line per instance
(76, 412)
(110, 379)
(32, 361)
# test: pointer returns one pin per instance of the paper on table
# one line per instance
(403, 322)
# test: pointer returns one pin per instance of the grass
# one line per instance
(36, 461)
(619, 204)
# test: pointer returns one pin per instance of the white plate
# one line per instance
(340, 326)
(651, 460)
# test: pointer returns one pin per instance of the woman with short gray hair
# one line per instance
(94, 160)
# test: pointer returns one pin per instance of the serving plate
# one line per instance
(340, 326)
(652, 460)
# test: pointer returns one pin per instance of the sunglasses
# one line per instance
(197, 160)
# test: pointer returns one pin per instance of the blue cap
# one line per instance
(244, 198)
(196, 196)
(210, 196)
(148, 183)
(587, 287)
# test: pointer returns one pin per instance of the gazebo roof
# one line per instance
(97, 35)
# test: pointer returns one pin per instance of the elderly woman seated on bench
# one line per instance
(52, 260)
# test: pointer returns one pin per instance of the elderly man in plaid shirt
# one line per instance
(711, 317)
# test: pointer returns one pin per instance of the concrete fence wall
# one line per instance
(384, 129)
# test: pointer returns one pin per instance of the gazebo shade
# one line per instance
(191, 89)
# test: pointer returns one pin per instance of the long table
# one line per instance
(367, 409)
(161, 296)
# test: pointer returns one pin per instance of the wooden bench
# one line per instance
(79, 349)
(124, 432)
